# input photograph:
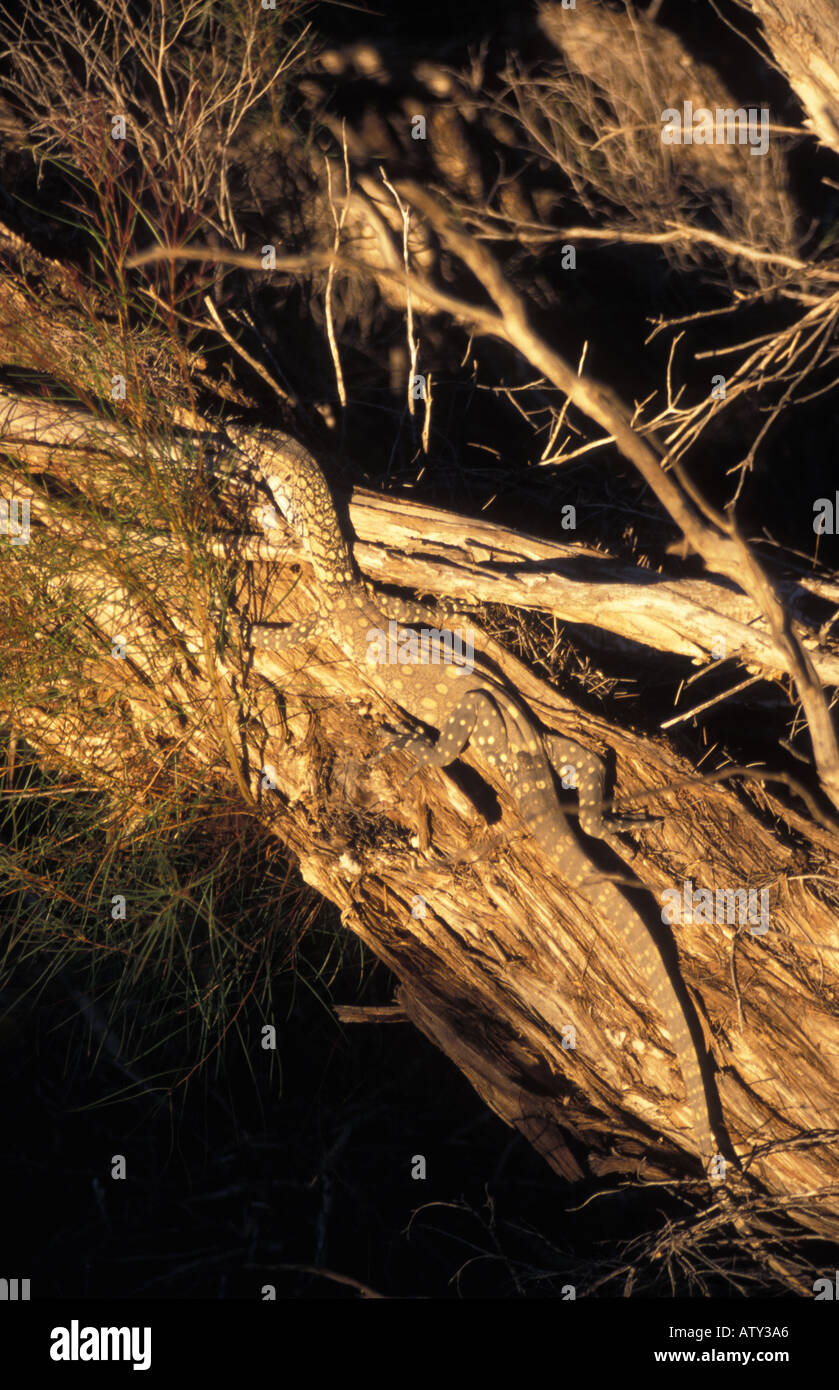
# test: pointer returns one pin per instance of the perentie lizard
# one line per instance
(465, 706)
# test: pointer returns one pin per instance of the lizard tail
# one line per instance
(609, 902)
(647, 957)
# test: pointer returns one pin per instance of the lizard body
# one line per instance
(466, 706)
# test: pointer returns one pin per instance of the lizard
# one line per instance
(466, 704)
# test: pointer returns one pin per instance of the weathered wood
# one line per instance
(408, 543)
(497, 959)
(803, 36)
(499, 962)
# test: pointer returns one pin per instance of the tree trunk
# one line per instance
(499, 963)
(803, 37)
(121, 666)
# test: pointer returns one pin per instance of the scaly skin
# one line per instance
(467, 707)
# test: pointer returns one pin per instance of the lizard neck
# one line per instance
(353, 617)
(306, 503)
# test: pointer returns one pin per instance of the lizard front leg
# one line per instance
(407, 610)
(278, 639)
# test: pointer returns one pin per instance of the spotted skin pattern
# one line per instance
(467, 707)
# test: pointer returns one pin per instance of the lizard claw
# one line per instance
(634, 822)
(391, 746)
(394, 744)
